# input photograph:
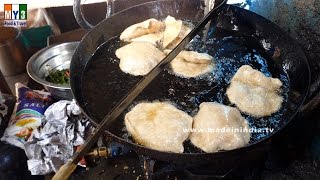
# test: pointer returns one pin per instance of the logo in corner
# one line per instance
(15, 15)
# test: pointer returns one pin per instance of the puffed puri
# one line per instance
(159, 125)
(219, 127)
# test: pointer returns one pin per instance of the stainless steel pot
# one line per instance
(13, 56)
(55, 57)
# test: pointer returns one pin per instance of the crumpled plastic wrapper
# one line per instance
(51, 145)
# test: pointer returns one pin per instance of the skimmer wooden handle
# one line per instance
(65, 171)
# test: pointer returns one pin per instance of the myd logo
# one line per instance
(15, 15)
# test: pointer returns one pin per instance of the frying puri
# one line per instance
(219, 127)
(159, 126)
(149, 26)
(254, 93)
(154, 39)
(174, 32)
(139, 58)
(191, 63)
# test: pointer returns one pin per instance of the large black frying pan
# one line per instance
(235, 38)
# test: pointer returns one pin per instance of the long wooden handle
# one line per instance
(65, 171)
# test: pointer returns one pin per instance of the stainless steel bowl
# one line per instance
(55, 57)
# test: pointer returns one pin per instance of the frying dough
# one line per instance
(254, 93)
(191, 63)
(183, 33)
(174, 32)
(209, 123)
(149, 26)
(159, 126)
(139, 58)
(154, 39)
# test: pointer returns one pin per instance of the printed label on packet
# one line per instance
(28, 114)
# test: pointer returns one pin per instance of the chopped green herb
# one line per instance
(59, 77)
